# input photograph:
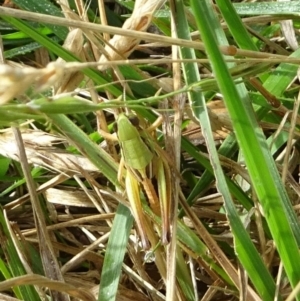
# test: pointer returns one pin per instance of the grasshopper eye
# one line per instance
(134, 121)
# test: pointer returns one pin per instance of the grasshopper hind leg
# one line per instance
(133, 194)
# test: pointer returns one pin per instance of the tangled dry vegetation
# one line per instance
(67, 231)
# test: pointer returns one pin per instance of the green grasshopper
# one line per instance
(144, 162)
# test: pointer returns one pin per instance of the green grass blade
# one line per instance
(4, 270)
(114, 254)
(235, 25)
(191, 76)
(183, 276)
(268, 8)
(14, 266)
(267, 184)
(44, 7)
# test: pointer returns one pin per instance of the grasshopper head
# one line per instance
(135, 151)
(127, 127)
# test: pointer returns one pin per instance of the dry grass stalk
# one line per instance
(48, 255)
(40, 151)
(16, 79)
(42, 281)
(71, 80)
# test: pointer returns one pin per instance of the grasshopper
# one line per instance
(144, 162)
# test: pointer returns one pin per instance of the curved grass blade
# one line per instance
(197, 100)
(268, 185)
